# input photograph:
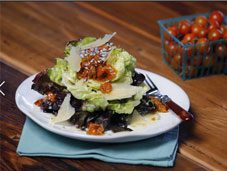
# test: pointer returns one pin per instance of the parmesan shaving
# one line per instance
(65, 112)
(122, 91)
(74, 59)
(99, 42)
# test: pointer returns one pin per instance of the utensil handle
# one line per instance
(183, 114)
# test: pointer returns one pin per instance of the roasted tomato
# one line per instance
(95, 129)
(105, 73)
(39, 102)
(106, 87)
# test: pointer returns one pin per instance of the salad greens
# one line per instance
(89, 90)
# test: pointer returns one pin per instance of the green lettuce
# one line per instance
(55, 73)
(89, 90)
(81, 42)
(123, 62)
(128, 107)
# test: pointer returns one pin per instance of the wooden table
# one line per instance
(33, 34)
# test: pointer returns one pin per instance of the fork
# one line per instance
(183, 114)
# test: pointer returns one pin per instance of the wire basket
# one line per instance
(192, 63)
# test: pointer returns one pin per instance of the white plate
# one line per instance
(25, 98)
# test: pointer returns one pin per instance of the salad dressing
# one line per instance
(142, 121)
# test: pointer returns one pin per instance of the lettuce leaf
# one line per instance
(55, 73)
(123, 62)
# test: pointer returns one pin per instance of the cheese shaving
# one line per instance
(65, 112)
(99, 42)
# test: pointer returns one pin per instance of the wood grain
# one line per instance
(11, 124)
(39, 32)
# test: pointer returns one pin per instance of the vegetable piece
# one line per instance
(202, 21)
(202, 45)
(106, 88)
(171, 30)
(221, 50)
(202, 33)
(138, 79)
(43, 84)
(172, 49)
(217, 16)
(122, 62)
(188, 38)
(184, 27)
(39, 102)
(213, 25)
(215, 35)
(196, 29)
(95, 129)
(65, 112)
(119, 123)
(158, 104)
(146, 106)
(55, 73)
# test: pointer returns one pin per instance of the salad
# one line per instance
(95, 87)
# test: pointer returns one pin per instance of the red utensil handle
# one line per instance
(183, 114)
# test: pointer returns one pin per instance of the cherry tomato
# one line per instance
(189, 50)
(223, 28)
(166, 44)
(184, 27)
(202, 21)
(197, 60)
(168, 58)
(202, 33)
(217, 16)
(213, 25)
(215, 35)
(188, 38)
(196, 29)
(221, 50)
(225, 35)
(208, 61)
(178, 58)
(171, 49)
(202, 45)
(190, 71)
(177, 61)
(172, 30)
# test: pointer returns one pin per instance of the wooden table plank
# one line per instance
(39, 33)
(11, 123)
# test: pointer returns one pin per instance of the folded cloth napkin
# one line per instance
(156, 151)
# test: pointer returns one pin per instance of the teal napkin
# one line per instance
(156, 151)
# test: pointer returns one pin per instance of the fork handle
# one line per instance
(183, 114)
